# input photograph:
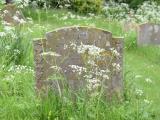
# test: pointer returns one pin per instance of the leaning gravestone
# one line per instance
(80, 57)
(149, 34)
(12, 15)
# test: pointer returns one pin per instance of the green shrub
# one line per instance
(131, 3)
(80, 6)
(87, 6)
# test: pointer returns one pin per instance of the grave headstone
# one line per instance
(149, 34)
(129, 26)
(11, 15)
(82, 57)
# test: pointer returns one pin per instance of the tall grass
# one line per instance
(18, 100)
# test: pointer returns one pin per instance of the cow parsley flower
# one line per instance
(78, 69)
(2, 34)
(139, 92)
(148, 80)
(50, 54)
(56, 68)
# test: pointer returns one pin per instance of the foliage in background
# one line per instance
(147, 12)
(133, 3)
(113, 10)
(80, 6)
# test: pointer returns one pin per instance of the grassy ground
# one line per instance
(17, 96)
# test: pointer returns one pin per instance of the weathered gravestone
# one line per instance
(149, 34)
(11, 15)
(82, 57)
(129, 26)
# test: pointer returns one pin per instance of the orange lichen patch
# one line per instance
(100, 62)
(106, 53)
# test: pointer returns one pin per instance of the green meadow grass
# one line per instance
(18, 99)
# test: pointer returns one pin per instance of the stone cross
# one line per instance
(79, 58)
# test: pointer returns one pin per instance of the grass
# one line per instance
(18, 100)
(145, 63)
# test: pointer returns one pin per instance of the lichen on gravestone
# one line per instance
(148, 34)
(82, 58)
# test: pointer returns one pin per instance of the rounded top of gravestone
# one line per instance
(77, 28)
(148, 23)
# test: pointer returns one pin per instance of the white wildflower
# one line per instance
(22, 21)
(139, 92)
(9, 78)
(73, 45)
(91, 49)
(16, 18)
(7, 47)
(5, 11)
(8, 28)
(114, 51)
(148, 80)
(20, 69)
(65, 18)
(2, 34)
(147, 101)
(138, 76)
(16, 51)
(106, 77)
(91, 62)
(116, 66)
(78, 69)
(5, 23)
(51, 54)
(57, 68)
(65, 46)
(93, 84)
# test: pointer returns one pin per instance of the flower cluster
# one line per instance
(17, 17)
(114, 10)
(139, 92)
(7, 31)
(147, 12)
(91, 49)
(56, 68)
(20, 69)
(9, 78)
(92, 73)
(78, 69)
(21, 3)
(54, 54)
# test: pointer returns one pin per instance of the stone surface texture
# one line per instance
(58, 49)
(149, 34)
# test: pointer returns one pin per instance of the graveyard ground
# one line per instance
(18, 99)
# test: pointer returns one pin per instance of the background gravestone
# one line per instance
(11, 15)
(129, 26)
(149, 34)
(9, 1)
(57, 49)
